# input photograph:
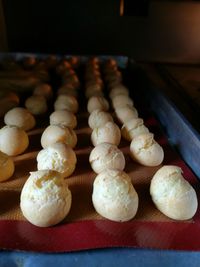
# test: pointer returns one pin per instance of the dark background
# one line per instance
(161, 31)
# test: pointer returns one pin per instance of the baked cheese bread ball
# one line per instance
(45, 198)
(109, 133)
(43, 89)
(68, 102)
(106, 156)
(57, 133)
(118, 89)
(36, 104)
(13, 140)
(7, 167)
(99, 118)
(59, 157)
(20, 117)
(172, 194)
(126, 113)
(97, 102)
(133, 128)
(121, 101)
(63, 118)
(146, 151)
(114, 196)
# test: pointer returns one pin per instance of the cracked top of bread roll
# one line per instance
(109, 133)
(7, 166)
(45, 198)
(114, 196)
(133, 128)
(20, 117)
(13, 140)
(58, 157)
(64, 118)
(57, 133)
(172, 194)
(106, 156)
(145, 150)
(97, 102)
(98, 118)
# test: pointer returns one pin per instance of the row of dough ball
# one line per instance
(143, 148)
(114, 196)
(58, 141)
(46, 199)
(13, 138)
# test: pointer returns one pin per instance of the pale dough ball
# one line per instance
(172, 194)
(118, 90)
(13, 140)
(36, 104)
(59, 157)
(145, 150)
(43, 89)
(121, 101)
(64, 118)
(20, 117)
(7, 167)
(57, 133)
(114, 196)
(126, 113)
(45, 198)
(109, 133)
(133, 128)
(106, 156)
(98, 118)
(68, 102)
(97, 102)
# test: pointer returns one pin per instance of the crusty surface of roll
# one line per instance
(114, 196)
(133, 128)
(97, 102)
(58, 157)
(172, 194)
(57, 133)
(45, 198)
(13, 140)
(146, 151)
(106, 156)
(109, 133)
(63, 118)
(20, 117)
(99, 118)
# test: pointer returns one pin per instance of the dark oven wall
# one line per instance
(170, 31)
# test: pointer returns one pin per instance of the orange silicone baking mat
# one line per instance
(83, 223)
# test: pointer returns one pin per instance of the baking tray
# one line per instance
(141, 232)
